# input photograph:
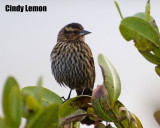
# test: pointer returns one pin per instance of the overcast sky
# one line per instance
(27, 39)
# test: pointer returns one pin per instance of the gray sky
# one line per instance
(27, 39)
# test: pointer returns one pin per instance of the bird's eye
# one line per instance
(75, 32)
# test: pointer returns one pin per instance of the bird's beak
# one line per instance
(84, 32)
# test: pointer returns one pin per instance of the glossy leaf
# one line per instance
(12, 103)
(73, 104)
(46, 118)
(117, 113)
(100, 103)
(145, 36)
(151, 19)
(111, 78)
(48, 97)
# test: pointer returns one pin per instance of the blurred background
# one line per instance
(27, 38)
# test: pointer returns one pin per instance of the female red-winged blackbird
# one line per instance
(72, 61)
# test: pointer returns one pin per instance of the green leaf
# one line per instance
(76, 116)
(100, 103)
(12, 103)
(46, 118)
(145, 36)
(157, 69)
(37, 90)
(31, 107)
(91, 111)
(117, 114)
(151, 21)
(111, 78)
(157, 53)
(73, 104)
(126, 119)
(151, 57)
(139, 125)
(39, 83)
(147, 11)
(118, 8)
(48, 97)
(2, 123)
(32, 101)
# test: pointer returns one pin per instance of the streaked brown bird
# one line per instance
(72, 62)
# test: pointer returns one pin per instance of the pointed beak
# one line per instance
(84, 32)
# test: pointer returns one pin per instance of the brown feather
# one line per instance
(72, 61)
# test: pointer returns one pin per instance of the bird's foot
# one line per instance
(67, 98)
(63, 98)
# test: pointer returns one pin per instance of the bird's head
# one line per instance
(71, 32)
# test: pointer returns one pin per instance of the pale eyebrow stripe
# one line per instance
(71, 29)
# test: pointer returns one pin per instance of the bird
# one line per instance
(72, 62)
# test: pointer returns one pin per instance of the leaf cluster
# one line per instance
(142, 29)
(43, 108)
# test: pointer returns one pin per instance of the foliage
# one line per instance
(105, 98)
(12, 104)
(142, 29)
(43, 108)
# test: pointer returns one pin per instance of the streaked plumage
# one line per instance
(72, 61)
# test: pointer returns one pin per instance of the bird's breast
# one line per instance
(71, 65)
